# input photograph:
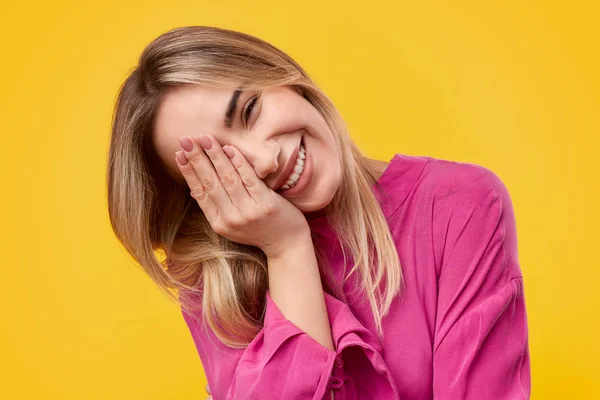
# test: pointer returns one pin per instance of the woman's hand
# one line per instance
(238, 204)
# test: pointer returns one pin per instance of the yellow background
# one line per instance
(511, 85)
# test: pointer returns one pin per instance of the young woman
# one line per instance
(305, 270)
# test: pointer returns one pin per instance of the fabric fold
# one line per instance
(284, 362)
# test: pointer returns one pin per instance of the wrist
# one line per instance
(290, 245)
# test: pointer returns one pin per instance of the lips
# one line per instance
(288, 168)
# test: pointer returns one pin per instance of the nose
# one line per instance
(264, 158)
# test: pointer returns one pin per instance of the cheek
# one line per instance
(334, 171)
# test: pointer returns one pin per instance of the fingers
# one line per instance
(228, 175)
(201, 177)
(207, 389)
(252, 183)
(222, 184)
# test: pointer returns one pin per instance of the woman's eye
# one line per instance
(249, 107)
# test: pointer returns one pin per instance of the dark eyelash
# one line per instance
(249, 107)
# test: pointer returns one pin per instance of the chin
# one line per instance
(319, 197)
(316, 203)
(312, 207)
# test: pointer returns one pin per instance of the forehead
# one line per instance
(188, 111)
(185, 108)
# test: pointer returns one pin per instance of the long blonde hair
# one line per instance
(151, 212)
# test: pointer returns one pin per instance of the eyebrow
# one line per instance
(231, 107)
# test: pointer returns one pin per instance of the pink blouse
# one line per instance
(458, 330)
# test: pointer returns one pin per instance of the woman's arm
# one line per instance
(317, 348)
(295, 286)
(481, 342)
(292, 357)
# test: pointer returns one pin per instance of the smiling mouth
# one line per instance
(295, 170)
(299, 165)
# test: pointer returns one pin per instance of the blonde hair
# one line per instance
(152, 212)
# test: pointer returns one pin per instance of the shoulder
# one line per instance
(462, 184)
(451, 213)
(456, 195)
(421, 182)
(444, 200)
(471, 214)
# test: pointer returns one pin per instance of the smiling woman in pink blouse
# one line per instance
(305, 270)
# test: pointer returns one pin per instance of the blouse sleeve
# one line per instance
(481, 340)
(284, 362)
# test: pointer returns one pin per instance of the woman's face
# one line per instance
(267, 126)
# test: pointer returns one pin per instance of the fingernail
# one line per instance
(186, 143)
(181, 159)
(229, 151)
(205, 142)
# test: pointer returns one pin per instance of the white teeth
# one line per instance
(298, 168)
